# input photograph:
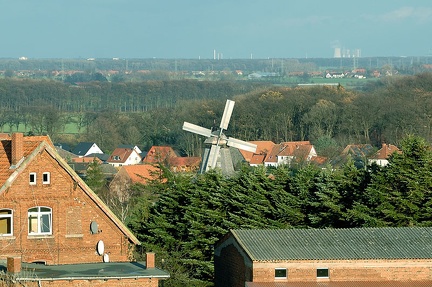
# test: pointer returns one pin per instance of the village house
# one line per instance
(55, 230)
(166, 155)
(382, 155)
(85, 148)
(132, 174)
(125, 156)
(353, 257)
(358, 153)
(287, 152)
(270, 154)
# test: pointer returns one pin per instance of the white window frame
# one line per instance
(48, 181)
(34, 181)
(7, 216)
(281, 277)
(324, 268)
(42, 217)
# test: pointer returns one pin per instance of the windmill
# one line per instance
(217, 154)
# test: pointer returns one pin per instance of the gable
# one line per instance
(85, 148)
(33, 160)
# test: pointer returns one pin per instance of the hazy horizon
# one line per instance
(224, 29)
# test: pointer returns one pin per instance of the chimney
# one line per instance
(14, 264)
(17, 147)
(150, 260)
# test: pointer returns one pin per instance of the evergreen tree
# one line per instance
(95, 178)
(400, 193)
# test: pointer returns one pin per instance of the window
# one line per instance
(32, 178)
(322, 273)
(46, 178)
(6, 222)
(40, 220)
(280, 273)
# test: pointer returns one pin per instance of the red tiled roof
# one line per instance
(263, 147)
(257, 159)
(288, 149)
(294, 148)
(320, 160)
(159, 153)
(120, 155)
(385, 151)
(272, 155)
(185, 161)
(141, 173)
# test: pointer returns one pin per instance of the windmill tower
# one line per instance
(217, 153)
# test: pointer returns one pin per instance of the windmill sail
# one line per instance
(218, 155)
(241, 144)
(196, 129)
(229, 106)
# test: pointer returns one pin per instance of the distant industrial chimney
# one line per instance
(337, 53)
(17, 148)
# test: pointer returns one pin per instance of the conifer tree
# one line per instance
(400, 193)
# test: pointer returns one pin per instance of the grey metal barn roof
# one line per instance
(336, 244)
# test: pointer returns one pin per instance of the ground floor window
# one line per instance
(40, 220)
(280, 273)
(322, 273)
(6, 222)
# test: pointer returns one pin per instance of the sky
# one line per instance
(222, 29)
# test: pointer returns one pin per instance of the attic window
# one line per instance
(280, 273)
(116, 157)
(32, 178)
(322, 273)
(46, 178)
(6, 222)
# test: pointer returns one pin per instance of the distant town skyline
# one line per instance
(194, 29)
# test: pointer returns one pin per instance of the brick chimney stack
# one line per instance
(150, 260)
(17, 148)
(14, 264)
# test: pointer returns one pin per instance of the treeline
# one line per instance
(152, 112)
(96, 96)
(182, 217)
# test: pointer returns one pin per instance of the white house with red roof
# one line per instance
(382, 155)
(124, 156)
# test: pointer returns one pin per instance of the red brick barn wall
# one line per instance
(72, 213)
(232, 269)
(346, 270)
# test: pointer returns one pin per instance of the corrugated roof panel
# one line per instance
(360, 243)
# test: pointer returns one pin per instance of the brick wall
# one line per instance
(72, 213)
(346, 270)
(230, 268)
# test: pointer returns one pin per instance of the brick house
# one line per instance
(325, 257)
(54, 228)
